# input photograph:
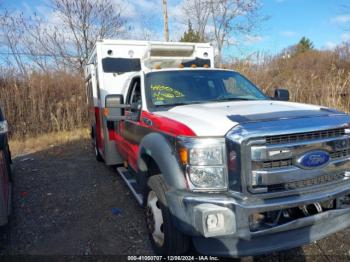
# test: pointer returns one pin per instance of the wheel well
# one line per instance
(152, 167)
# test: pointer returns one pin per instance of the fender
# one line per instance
(159, 148)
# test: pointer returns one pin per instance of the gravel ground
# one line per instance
(63, 201)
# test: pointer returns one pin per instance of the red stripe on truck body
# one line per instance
(128, 134)
(166, 125)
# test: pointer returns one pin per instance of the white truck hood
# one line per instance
(216, 119)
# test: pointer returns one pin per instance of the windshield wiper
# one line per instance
(175, 104)
(206, 101)
(233, 99)
(186, 103)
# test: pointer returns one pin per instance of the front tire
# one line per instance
(164, 236)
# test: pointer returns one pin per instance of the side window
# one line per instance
(236, 86)
(134, 95)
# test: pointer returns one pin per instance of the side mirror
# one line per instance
(281, 94)
(114, 108)
(114, 101)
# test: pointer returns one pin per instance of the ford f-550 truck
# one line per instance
(213, 159)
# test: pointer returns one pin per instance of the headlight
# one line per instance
(204, 163)
(3, 127)
(206, 177)
(206, 156)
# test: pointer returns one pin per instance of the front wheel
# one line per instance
(164, 236)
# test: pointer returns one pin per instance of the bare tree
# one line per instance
(67, 35)
(87, 20)
(221, 20)
(224, 16)
(11, 39)
(198, 12)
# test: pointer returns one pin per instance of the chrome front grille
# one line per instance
(289, 161)
(340, 154)
(314, 181)
(309, 136)
(276, 163)
(317, 181)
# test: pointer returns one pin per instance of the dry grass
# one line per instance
(43, 102)
(314, 77)
(31, 145)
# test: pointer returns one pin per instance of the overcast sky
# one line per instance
(323, 21)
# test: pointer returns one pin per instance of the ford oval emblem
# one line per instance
(314, 159)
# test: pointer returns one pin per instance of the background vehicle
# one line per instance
(5, 172)
(213, 159)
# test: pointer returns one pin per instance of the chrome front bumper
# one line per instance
(321, 226)
(241, 241)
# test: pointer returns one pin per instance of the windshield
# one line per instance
(170, 88)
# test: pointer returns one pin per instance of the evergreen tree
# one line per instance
(190, 35)
(304, 45)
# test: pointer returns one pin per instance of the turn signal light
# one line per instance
(105, 112)
(183, 153)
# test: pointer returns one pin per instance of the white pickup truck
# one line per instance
(213, 159)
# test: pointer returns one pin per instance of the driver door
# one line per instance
(131, 128)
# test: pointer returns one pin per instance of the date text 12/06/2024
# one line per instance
(173, 258)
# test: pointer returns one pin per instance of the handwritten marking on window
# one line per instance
(161, 93)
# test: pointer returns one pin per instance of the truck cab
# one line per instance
(211, 158)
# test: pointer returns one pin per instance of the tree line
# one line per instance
(64, 38)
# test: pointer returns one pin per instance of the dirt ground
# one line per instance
(64, 202)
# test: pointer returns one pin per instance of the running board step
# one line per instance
(131, 183)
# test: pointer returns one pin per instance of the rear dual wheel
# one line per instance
(97, 153)
(94, 137)
(164, 236)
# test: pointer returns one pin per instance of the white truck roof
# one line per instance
(152, 52)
